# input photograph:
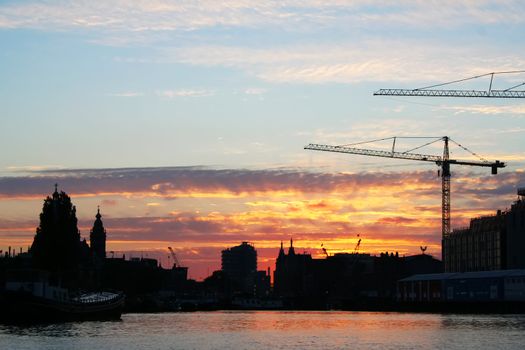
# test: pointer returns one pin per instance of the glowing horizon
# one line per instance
(186, 121)
(201, 211)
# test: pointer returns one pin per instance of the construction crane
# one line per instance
(358, 245)
(443, 161)
(324, 250)
(431, 90)
(174, 258)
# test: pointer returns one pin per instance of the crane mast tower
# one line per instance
(443, 162)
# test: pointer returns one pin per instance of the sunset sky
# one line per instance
(186, 121)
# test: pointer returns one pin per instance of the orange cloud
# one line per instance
(201, 211)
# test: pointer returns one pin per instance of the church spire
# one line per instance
(55, 194)
(281, 251)
(97, 236)
(291, 250)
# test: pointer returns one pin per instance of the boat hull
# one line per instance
(20, 307)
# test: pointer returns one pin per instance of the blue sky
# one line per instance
(154, 83)
(246, 85)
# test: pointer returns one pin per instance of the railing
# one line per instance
(98, 298)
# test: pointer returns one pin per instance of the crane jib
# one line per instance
(374, 153)
(403, 155)
(451, 93)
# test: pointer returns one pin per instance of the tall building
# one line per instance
(494, 242)
(239, 263)
(57, 244)
(97, 237)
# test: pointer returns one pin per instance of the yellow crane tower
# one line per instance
(443, 162)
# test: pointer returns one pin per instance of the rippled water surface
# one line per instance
(276, 330)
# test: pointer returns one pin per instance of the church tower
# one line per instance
(281, 253)
(97, 237)
(291, 250)
(57, 245)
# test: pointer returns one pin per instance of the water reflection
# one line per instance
(276, 330)
(65, 329)
(479, 322)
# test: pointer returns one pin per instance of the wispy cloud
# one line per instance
(516, 110)
(255, 91)
(126, 94)
(198, 182)
(185, 93)
(26, 168)
(158, 16)
(408, 60)
(125, 22)
(511, 131)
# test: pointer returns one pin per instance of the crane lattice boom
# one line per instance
(401, 155)
(430, 91)
(451, 93)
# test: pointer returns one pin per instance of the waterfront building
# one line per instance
(239, 264)
(476, 286)
(344, 279)
(489, 243)
(515, 225)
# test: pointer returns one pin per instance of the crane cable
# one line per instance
(426, 144)
(475, 77)
(362, 142)
(469, 151)
(390, 138)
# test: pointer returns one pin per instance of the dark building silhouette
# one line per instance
(344, 280)
(239, 264)
(292, 272)
(239, 269)
(65, 260)
(489, 243)
(500, 291)
(515, 225)
(57, 244)
(97, 237)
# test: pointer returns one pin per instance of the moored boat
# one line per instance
(30, 297)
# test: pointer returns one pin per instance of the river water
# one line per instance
(276, 330)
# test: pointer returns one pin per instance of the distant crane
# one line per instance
(324, 250)
(442, 161)
(176, 262)
(432, 92)
(358, 245)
